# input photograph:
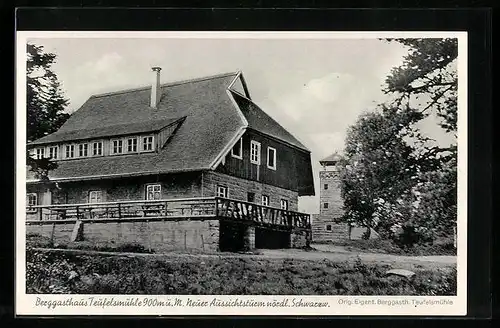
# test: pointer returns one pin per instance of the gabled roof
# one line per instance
(262, 122)
(210, 118)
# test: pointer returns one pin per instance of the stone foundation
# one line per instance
(159, 236)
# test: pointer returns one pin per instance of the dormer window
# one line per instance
(97, 148)
(40, 153)
(70, 151)
(147, 143)
(53, 152)
(132, 145)
(237, 151)
(117, 147)
(83, 150)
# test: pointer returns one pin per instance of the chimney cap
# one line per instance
(156, 68)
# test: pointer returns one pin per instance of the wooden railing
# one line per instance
(262, 215)
(185, 207)
(201, 207)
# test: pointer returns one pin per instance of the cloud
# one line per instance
(328, 88)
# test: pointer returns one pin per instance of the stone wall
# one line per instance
(183, 185)
(164, 235)
(320, 232)
(331, 195)
(159, 236)
(239, 188)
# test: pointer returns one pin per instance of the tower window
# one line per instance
(325, 186)
(325, 205)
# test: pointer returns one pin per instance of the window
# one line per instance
(117, 147)
(31, 199)
(97, 148)
(271, 158)
(251, 197)
(222, 191)
(265, 200)
(83, 150)
(325, 205)
(255, 152)
(284, 204)
(132, 145)
(329, 227)
(53, 152)
(153, 192)
(70, 151)
(147, 143)
(237, 151)
(40, 152)
(95, 196)
(325, 186)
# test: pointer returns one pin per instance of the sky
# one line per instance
(315, 88)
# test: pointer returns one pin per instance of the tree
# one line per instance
(377, 169)
(394, 178)
(45, 103)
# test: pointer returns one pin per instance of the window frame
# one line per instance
(153, 185)
(285, 202)
(40, 151)
(266, 197)
(224, 194)
(28, 197)
(52, 152)
(71, 148)
(119, 146)
(258, 154)
(143, 144)
(136, 145)
(85, 147)
(240, 156)
(94, 143)
(97, 192)
(274, 158)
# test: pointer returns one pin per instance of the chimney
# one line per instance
(155, 88)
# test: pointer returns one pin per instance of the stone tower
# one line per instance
(324, 226)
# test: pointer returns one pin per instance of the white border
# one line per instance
(25, 304)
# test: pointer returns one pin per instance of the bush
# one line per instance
(390, 247)
(52, 272)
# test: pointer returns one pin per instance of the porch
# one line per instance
(230, 214)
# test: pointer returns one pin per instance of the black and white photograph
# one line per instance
(221, 172)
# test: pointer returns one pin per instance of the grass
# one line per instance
(59, 272)
(388, 247)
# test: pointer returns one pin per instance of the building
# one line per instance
(188, 141)
(325, 225)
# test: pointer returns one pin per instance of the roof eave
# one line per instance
(117, 175)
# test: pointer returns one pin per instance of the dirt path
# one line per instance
(339, 254)
(323, 252)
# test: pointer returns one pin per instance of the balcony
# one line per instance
(206, 208)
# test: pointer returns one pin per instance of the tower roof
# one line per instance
(330, 160)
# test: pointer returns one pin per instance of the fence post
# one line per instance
(119, 211)
(77, 212)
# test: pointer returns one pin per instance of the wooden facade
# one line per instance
(291, 167)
